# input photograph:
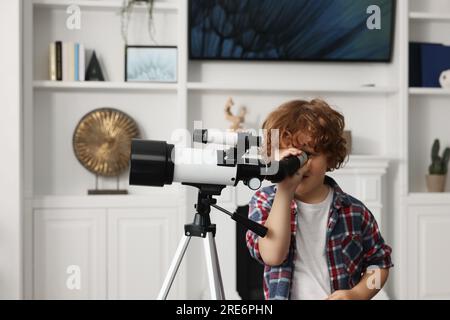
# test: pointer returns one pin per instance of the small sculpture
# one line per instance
(102, 144)
(236, 120)
(94, 71)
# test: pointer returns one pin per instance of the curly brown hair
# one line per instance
(313, 119)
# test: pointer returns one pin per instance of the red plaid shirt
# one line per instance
(353, 242)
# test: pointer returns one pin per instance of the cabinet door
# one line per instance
(428, 257)
(141, 246)
(69, 254)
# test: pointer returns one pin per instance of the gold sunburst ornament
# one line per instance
(102, 141)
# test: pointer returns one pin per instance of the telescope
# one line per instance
(157, 163)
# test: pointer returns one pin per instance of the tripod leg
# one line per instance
(176, 261)
(213, 268)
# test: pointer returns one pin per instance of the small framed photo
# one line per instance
(151, 64)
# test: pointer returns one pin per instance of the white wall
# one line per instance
(10, 146)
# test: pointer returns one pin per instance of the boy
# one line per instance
(320, 241)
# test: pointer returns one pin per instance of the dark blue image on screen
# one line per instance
(314, 30)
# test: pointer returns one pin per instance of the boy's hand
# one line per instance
(344, 295)
(290, 184)
(363, 290)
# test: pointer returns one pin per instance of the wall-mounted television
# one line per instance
(292, 30)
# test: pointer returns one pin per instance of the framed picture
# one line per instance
(151, 64)
(286, 30)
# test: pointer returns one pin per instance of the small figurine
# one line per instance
(94, 71)
(236, 121)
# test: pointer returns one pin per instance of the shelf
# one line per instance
(429, 91)
(365, 163)
(100, 5)
(201, 86)
(106, 201)
(425, 198)
(103, 85)
(368, 160)
(424, 16)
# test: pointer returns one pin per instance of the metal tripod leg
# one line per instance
(176, 261)
(213, 268)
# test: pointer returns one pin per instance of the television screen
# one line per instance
(291, 30)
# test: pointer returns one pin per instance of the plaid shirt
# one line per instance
(353, 242)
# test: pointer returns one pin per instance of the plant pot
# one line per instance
(436, 183)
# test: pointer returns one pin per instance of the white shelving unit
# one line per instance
(424, 214)
(427, 106)
(105, 201)
(101, 85)
(196, 86)
(429, 199)
(384, 118)
(101, 5)
(114, 239)
(429, 91)
(52, 110)
(427, 16)
(199, 86)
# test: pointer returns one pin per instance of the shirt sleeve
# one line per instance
(259, 209)
(376, 251)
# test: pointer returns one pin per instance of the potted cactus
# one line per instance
(438, 168)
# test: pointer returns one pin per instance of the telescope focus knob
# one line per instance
(254, 184)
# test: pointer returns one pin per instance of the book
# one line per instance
(65, 61)
(81, 62)
(59, 66)
(415, 65)
(71, 61)
(435, 58)
(76, 61)
(52, 61)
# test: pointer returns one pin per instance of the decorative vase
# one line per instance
(436, 182)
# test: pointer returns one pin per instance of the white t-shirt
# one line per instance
(311, 279)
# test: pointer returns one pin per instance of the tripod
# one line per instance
(201, 227)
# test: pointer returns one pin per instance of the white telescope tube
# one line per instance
(222, 138)
(200, 166)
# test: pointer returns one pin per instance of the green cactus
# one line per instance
(439, 166)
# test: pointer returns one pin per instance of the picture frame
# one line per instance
(215, 37)
(151, 64)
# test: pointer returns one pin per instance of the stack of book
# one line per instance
(66, 61)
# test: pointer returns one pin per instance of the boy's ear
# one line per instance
(330, 164)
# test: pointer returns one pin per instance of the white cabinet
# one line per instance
(424, 227)
(69, 246)
(428, 239)
(112, 253)
(140, 251)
